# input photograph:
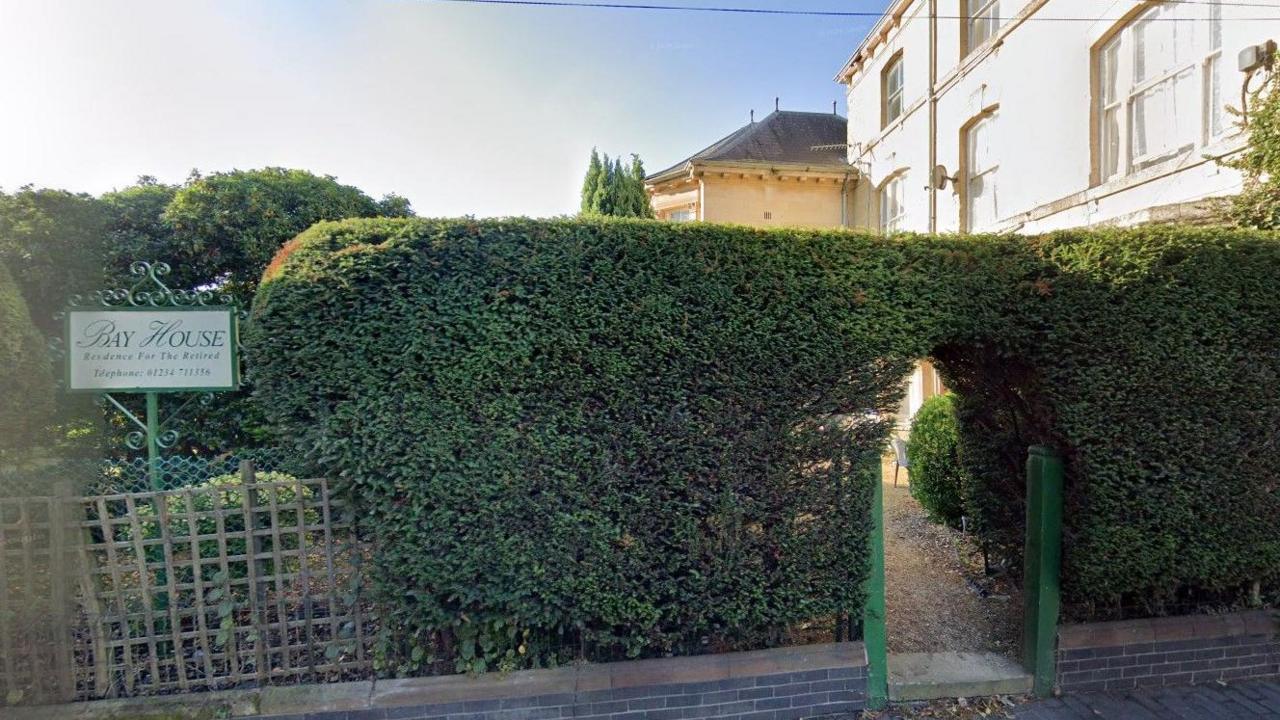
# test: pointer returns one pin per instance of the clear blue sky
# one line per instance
(463, 109)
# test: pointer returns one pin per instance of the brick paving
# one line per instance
(1214, 701)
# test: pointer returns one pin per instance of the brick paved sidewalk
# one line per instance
(1237, 701)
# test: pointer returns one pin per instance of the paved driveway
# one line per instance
(1245, 701)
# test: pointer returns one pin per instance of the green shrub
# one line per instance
(937, 479)
(222, 498)
(26, 378)
(642, 438)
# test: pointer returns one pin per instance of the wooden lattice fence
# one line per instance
(36, 591)
(199, 588)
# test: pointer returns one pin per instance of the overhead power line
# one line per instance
(844, 13)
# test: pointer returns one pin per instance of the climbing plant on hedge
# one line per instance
(26, 382)
(630, 437)
(937, 478)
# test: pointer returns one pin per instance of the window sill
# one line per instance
(982, 49)
(1220, 148)
(1175, 162)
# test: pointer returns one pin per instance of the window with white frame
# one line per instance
(891, 206)
(982, 209)
(680, 216)
(891, 87)
(981, 22)
(1159, 80)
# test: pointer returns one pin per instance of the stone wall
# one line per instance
(1168, 651)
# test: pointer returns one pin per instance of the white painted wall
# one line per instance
(1037, 78)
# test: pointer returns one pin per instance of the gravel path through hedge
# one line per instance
(933, 577)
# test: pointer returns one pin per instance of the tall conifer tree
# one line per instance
(609, 188)
(594, 168)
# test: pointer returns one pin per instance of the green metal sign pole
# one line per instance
(1043, 562)
(153, 441)
(874, 632)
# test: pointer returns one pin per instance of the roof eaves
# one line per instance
(715, 147)
(893, 14)
(670, 173)
(784, 167)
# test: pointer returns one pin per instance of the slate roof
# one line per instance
(785, 136)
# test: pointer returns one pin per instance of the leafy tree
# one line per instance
(53, 242)
(392, 205)
(610, 189)
(229, 225)
(138, 230)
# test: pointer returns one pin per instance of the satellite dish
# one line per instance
(940, 177)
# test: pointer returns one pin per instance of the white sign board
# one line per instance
(152, 349)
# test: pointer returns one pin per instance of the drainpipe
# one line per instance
(933, 113)
(844, 201)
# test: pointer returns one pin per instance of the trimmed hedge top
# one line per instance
(642, 438)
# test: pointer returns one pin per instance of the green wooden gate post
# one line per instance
(874, 633)
(1042, 563)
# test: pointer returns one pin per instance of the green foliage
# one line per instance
(1150, 358)
(229, 225)
(53, 243)
(937, 479)
(214, 500)
(564, 435)
(1258, 204)
(26, 384)
(219, 503)
(218, 230)
(138, 230)
(594, 169)
(221, 230)
(641, 438)
(609, 189)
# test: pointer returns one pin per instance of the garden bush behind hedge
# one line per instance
(26, 379)
(937, 478)
(648, 438)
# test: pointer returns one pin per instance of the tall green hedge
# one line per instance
(1151, 359)
(26, 382)
(639, 438)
